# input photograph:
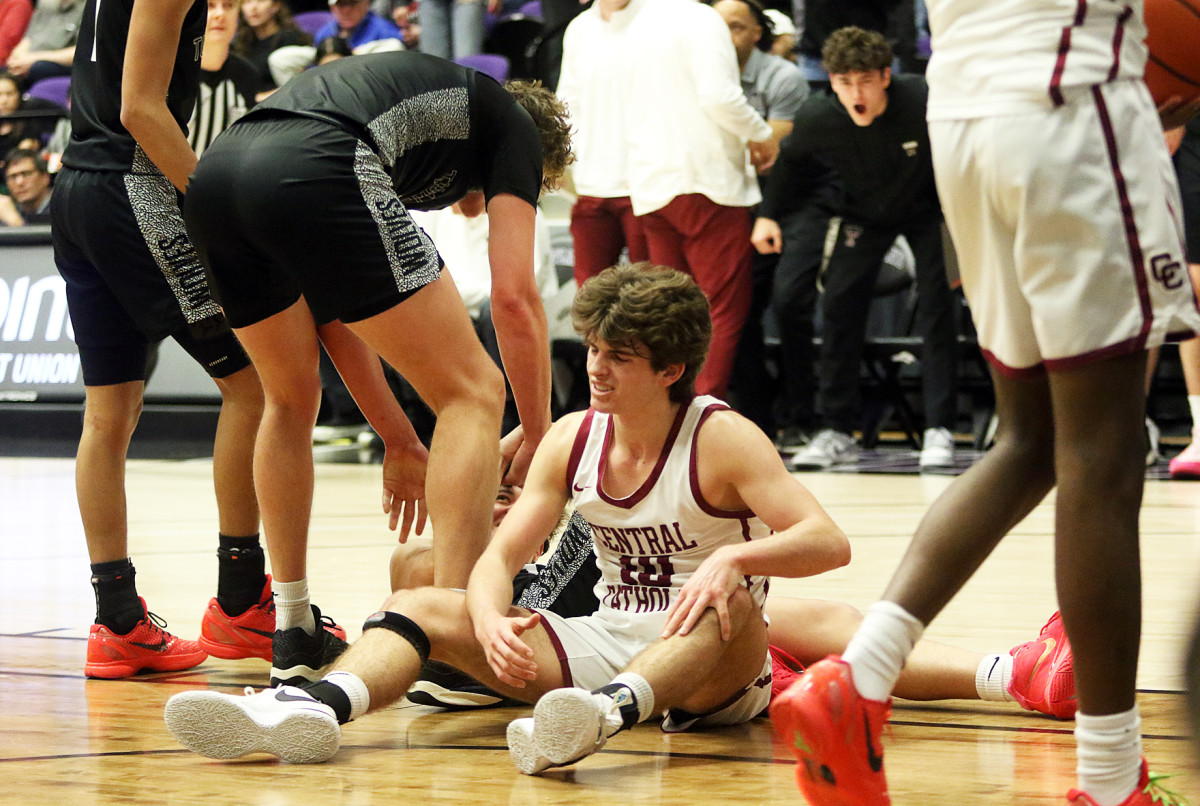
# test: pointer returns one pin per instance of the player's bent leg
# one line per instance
(429, 339)
(110, 415)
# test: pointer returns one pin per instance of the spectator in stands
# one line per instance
(406, 15)
(784, 44)
(228, 83)
(23, 132)
(264, 27)
(591, 85)
(354, 21)
(29, 190)
(873, 133)
(48, 46)
(691, 179)
(775, 88)
(14, 19)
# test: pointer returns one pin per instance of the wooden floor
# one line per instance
(67, 740)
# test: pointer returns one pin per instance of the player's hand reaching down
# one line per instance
(710, 586)
(404, 488)
(509, 656)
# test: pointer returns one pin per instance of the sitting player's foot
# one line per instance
(298, 657)
(285, 722)
(568, 724)
(834, 733)
(1149, 792)
(1043, 673)
(785, 670)
(443, 686)
(145, 648)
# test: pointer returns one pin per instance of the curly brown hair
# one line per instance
(554, 127)
(653, 311)
(854, 50)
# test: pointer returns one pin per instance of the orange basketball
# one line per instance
(1174, 41)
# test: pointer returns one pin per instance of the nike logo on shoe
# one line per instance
(1049, 650)
(161, 646)
(283, 696)
(873, 759)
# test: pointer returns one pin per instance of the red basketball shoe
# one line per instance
(1149, 792)
(785, 670)
(250, 634)
(1043, 674)
(147, 647)
(834, 733)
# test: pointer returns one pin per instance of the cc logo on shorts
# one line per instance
(1164, 269)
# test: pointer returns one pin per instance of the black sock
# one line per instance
(240, 573)
(332, 696)
(626, 702)
(117, 605)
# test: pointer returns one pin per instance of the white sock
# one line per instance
(356, 691)
(292, 608)
(1108, 755)
(641, 692)
(1194, 405)
(877, 652)
(992, 678)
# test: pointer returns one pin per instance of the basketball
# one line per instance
(1173, 38)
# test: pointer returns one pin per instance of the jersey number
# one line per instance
(654, 572)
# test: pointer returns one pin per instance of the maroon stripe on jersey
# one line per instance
(694, 475)
(559, 652)
(577, 447)
(1136, 256)
(1118, 38)
(1012, 372)
(1064, 47)
(641, 492)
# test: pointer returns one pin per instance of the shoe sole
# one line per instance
(216, 726)
(114, 670)
(522, 749)
(566, 726)
(425, 693)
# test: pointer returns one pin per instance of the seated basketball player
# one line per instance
(800, 632)
(690, 508)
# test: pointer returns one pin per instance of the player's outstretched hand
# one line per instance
(404, 488)
(710, 586)
(510, 657)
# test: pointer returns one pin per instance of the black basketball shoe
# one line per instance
(442, 686)
(298, 657)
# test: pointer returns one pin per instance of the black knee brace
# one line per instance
(404, 627)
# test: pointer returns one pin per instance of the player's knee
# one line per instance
(411, 566)
(437, 611)
(243, 390)
(115, 418)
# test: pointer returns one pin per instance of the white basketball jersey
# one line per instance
(649, 543)
(1000, 57)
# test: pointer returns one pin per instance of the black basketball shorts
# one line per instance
(284, 206)
(133, 277)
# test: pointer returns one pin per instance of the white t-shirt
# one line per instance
(1001, 57)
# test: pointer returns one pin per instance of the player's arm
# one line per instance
(787, 174)
(740, 469)
(405, 458)
(154, 30)
(523, 530)
(520, 321)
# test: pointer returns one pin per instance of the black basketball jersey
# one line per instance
(98, 140)
(440, 129)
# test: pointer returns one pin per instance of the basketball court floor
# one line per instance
(68, 740)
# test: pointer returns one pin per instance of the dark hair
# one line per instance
(655, 311)
(39, 162)
(245, 38)
(331, 46)
(853, 50)
(761, 18)
(7, 76)
(554, 127)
